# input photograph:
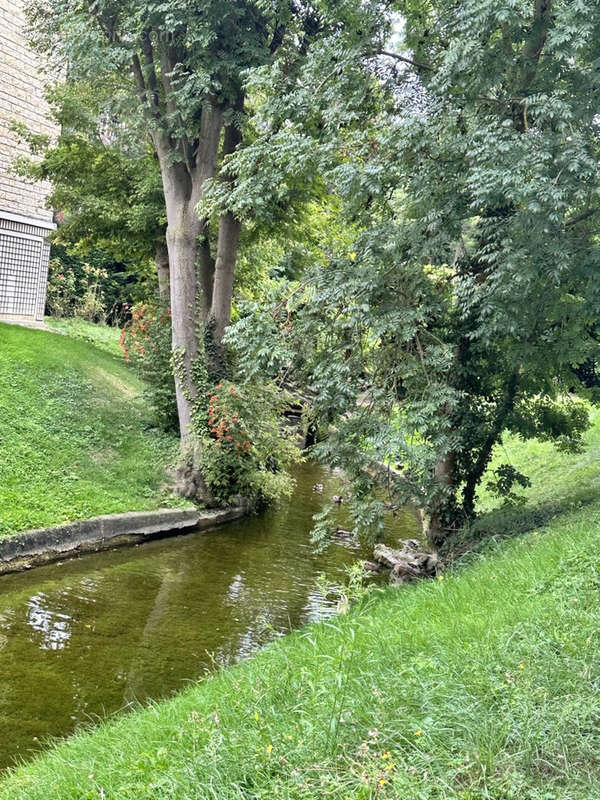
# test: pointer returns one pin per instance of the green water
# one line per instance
(87, 638)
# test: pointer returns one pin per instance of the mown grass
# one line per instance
(76, 440)
(103, 336)
(481, 686)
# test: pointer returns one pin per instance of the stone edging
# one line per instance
(22, 551)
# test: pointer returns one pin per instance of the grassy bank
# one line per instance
(480, 686)
(75, 437)
(102, 336)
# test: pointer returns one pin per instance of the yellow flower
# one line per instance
(387, 754)
(440, 577)
(382, 781)
(352, 256)
(521, 665)
(418, 732)
(269, 748)
(256, 715)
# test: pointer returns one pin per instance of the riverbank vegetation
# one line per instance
(77, 439)
(454, 296)
(479, 685)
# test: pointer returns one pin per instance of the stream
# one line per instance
(88, 637)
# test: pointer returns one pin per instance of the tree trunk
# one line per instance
(485, 453)
(443, 509)
(206, 265)
(183, 185)
(182, 233)
(224, 269)
(220, 311)
(162, 271)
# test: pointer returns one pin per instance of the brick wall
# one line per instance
(22, 99)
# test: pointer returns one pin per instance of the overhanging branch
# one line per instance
(581, 217)
(405, 60)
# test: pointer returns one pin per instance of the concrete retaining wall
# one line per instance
(33, 548)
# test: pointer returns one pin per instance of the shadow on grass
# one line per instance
(509, 521)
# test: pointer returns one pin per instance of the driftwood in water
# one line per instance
(408, 563)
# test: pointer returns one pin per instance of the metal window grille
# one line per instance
(20, 273)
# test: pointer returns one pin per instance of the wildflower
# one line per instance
(269, 748)
(440, 577)
(256, 715)
(382, 781)
(386, 755)
(418, 732)
(521, 666)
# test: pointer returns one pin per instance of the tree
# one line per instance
(467, 158)
(182, 67)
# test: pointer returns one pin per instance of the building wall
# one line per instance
(24, 219)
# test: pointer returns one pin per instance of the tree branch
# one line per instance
(167, 65)
(581, 217)
(532, 49)
(139, 79)
(151, 81)
(406, 60)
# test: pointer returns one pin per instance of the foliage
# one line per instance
(176, 77)
(146, 342)
(60, 291)
(245, 452)
(105, 185)
(94, 288)
(505, 478)
(75, 436)
(385, 702)
(92, 303)
(466, 162)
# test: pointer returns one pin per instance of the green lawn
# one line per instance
(102, 336)
(76, 439)
(482, 686)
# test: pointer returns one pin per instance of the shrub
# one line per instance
(60, 296)
(91, 305)
(146, 343)
(245, 452)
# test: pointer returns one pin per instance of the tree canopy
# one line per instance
(467, 160)
(453, 150)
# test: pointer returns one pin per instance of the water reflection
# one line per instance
(53, 626)
(89, 637)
